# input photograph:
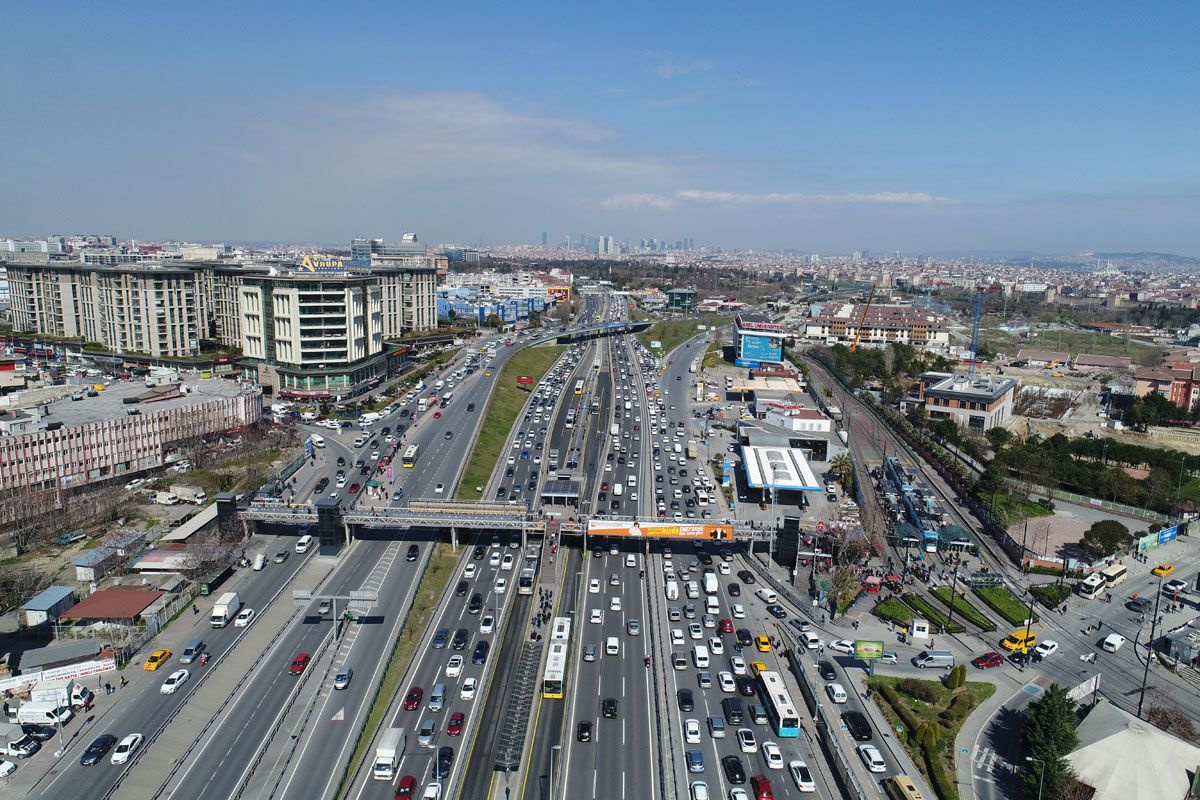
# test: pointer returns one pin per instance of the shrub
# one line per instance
(956, 677)
(911, 723)
(1051, 594)
(930, 735)
(925, 691)
(942, 786)
(956, 711)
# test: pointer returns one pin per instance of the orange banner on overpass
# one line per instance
(664, 530)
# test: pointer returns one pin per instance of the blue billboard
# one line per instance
(761, 348)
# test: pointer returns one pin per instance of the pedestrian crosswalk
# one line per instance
(987, 763)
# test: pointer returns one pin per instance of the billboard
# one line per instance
(664, 530)
(866, 649)
(760, 348)
(320, 265)
(524, 380)
(655, 344)
(559, 294)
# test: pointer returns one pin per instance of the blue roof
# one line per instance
(47, 599)
(95, 557)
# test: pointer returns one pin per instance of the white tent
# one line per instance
(1125, 758)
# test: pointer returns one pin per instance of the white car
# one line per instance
(597, 616)
(1045, 648)
(594, 586)
(723, 568)
(725, 680)
(454, 667)
(699, 791)
(494, 559)
(716, 646)
(614, 604)
(441, 487)
(501, 585)
(174, 681)
(773, 755)
(746, 740)
(871, 756)
(244, 617)
(802, 776)
(695, 631)
(737, 612)
(676, 636)
(630, 560)
(468, 688)
(507, 561)
(471, 571)
(738, 665)
(126, 747)
(7, 768)
(738, 793)
(842, 646)
(836, 692)
(487, 624)
(691, 731)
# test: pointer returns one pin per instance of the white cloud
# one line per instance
(669, 68)
(659, 202)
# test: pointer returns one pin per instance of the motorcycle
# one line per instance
(204, 658)
(646, 661)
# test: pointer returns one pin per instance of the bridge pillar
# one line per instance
(349, 533)
(524, 538)
(454, 537)
(329, 527)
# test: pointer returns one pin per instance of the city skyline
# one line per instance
(962, 130)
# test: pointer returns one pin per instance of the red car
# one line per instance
(412, 700)
(988, 660)
(726, 625)
(604, 487)
(353, 488)
(455, 726)
(299, 663)
(406, 788)
(761, 788)
(437, 415)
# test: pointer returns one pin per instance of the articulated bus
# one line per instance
(901, 787)
(780, 711)
(579, 386)
(410, 456)
(556, 660)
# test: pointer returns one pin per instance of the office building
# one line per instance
(978, 403)
(681, 299)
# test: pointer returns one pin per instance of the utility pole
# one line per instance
(1150, 646)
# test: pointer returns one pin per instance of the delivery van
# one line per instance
(612, 646)
(933, 658)
(303, 543)
(700, 656)
(767, 595)
(260, 561)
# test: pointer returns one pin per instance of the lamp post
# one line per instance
(1041, 773)
(1150, 646)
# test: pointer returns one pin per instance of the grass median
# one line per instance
(964, 609)
(1005, 603)
(933, 615)
(674, 332)
(503, 408)
(433, 584)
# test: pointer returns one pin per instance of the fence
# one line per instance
(1108, 505)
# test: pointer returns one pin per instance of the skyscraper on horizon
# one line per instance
(545, 238)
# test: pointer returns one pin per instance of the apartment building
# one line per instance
(840, 324)
(1179, 382)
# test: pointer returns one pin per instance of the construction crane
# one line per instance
(862, 318)
(975, 332)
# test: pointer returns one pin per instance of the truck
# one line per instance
(225, 609)
(63, 692)
(710, 584)
(387, 754)
(692, 450)
(166, 498)
(618, 490)
(35, 713)
(15, 742)
(672, 590)
(614, 429)
(192, 494)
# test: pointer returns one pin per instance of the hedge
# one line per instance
(1051, 594)
(930, 613)
(893, 610)
(1004, 603)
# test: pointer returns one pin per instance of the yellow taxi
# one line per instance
(757, 667)
(1163, 569)
(156, 660)
(762, 643)
(1019, 640)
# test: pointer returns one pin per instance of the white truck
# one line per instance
(225, 609)
(387, 754)
(692, 449)
(192, 494)
(166, 498)
(614, 429)
(51, 713)
(309, 416)
(710, 584)
(672, 590)
(15, 742)
(63, 692)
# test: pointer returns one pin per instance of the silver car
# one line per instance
(343, 677)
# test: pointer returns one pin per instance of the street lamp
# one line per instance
(1150, 646)
(1041, 773)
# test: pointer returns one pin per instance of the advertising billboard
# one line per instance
(761, 348)
(655, 344)
(866, 649)
(524, 380)
(559, 294)
(664, 530)
(320, 265)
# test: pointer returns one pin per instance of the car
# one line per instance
(323, 608)
(738, 665)
(836, 692)
(445, 758)
(41, 733)
(406, 788)
(1163, 569)
(455, 726)
(716, 646)
(461, 589)
(633, 627)
(501, 585)
(694, 760)
(1139, 604)
(777, 611)
(412, 700)
(773, 755)
(479, 552)
(469, 686)
(299, 663)
(494, 559)
(745, 685)
(440, 637)
(97, 749)
(589, 652)
(481, 652)
(176, 679)
(735, 772)
(737, 611)
(988, 660)
(608, 708)
(746, 576)
(594, 586)
(244, 618)
(872, 758)
(1175, 586)
(762, 643)
(487, 624)
(281, 556)
(126, 748)
(354, 487)
(691, 731)
(802, 776)
(825, 670)
(454, 667)
(695, 630)
(441, 487)
(744, 638)
(746, 740)
(583, 731)
(686, 700)
(842, 646)
(427, 733)
(699, 791)
(341, 680)
(476, 604)
(596, 617)
(448, 435)
(725, 681)
(157, 659)
(1044, 648)
(857, 725)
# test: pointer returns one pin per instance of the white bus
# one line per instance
(701, 497)
(556, 660)
(1092, 586)
(409, 458)
(1114, 575)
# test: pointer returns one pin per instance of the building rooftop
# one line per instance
(110, 403)
(1125, 758)
(978, 388)
(47, 599)
(778, 468)
(116, 603)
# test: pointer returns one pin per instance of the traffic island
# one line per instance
(927, 716)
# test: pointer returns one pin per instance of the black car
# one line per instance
(826, 670)
(583, 731)
(461, 589)
(777, 611)
(609, 707)
(744, 638)
(97, 749)
(440, 637)
(414, 553)
(500, 492)
(40, 732)
(476, 604)
(686, 702)
(341, 462)
(856, 723)
(745, 685)
(479, 553)
(735, 773)
(481, 652)
(459, 642)
(746, 575)
(508, 472)
(448, 435)
(445, 757)
(470, 406)
(735, 590)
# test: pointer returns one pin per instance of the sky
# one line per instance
(825, 127)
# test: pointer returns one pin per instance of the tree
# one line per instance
(1105, 538)
(998, 437)
(843, 467)
(1172, 720)
(1048, 736)
(492, 321)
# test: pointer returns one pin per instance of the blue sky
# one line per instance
(920, 127)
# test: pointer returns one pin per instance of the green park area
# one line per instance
(674, 332)
(502, 410)
(1004, 603)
